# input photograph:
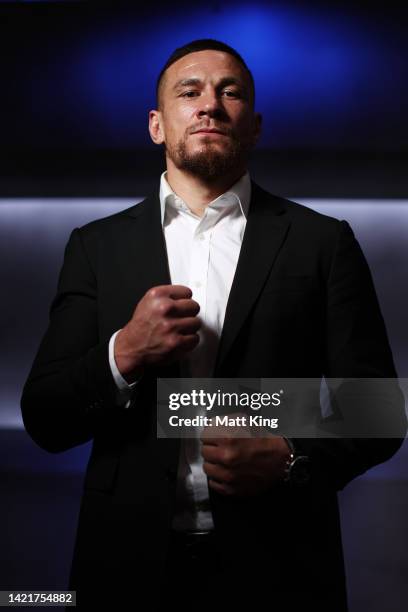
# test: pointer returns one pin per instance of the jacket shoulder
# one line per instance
(309, 221)
(114, 220)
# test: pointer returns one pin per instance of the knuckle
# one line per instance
(226, 456)
(163, 306)
(230, 456)
(171, 342)
(153, 292)
(166, 326)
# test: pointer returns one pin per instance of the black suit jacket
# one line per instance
(302, 304)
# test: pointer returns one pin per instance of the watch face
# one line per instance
(300, 471)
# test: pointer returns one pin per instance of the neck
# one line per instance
(196, 192)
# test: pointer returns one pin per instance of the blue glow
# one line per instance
(316, 74)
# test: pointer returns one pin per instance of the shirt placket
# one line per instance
(200, 254)
(199, 269)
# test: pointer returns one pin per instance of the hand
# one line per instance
(243, 466)
(163, 328)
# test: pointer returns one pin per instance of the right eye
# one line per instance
(189, 94)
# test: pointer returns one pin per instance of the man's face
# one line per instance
(206, 119)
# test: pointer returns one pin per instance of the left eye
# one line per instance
(231, 93)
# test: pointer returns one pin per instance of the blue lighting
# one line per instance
(317, 75)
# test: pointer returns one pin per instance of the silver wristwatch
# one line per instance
(298, 467)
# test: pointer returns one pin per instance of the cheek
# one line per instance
(187, 112)
(177, 122)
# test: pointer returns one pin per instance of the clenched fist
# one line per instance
(162, 329)
(243, 466)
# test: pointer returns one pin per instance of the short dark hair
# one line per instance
(203, 44)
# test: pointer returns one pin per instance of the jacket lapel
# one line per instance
(147, 245)
(265, 232)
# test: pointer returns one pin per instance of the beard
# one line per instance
(208, 163)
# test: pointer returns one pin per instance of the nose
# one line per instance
(211, 105)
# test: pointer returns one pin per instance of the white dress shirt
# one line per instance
(202, 255)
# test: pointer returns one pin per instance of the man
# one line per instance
(210, 276)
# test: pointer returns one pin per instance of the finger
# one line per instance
(211, 453)
(214, 439)
(223, 489)
(185, 308)
(187, 342)
(222, 455)
(178, 292)
(219, 473)
(188, 325)
(173, 291)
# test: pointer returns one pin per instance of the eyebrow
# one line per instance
(222, 83)
(186, 83)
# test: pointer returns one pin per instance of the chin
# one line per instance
(211, 146)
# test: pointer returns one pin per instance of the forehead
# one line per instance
(204, 65)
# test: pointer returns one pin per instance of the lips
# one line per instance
(208, 130)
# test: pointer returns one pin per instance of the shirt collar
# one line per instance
(240, 192)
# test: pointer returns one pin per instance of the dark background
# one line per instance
(77, 81)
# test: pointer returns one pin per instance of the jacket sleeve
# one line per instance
(357, 347)
(70, 393)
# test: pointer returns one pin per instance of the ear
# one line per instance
(257, 126)
(155, 127)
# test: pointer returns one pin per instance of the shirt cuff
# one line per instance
(124, 388)
(121, 383)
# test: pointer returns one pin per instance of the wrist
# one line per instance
(128, 360)
(280, 454)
